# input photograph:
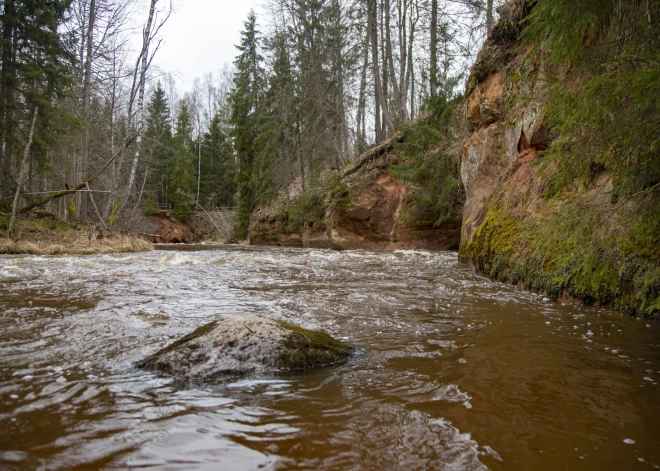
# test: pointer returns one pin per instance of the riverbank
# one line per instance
(45, 234)
(547, 211)
(368, 205)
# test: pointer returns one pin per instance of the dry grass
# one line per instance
(108, 245)
(50, 237)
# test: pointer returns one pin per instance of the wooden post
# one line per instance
(91, 196)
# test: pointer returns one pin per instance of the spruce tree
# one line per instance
(218, 184)
(158, 141)
(36, 66)
(182, 171)
(275, 142)
(245, 99)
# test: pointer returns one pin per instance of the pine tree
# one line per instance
(245, 99)
(158, 142)
(218, 184)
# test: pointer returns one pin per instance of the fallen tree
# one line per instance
(79, 186)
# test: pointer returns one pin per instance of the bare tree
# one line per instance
(433, 83)
(381, 104)
(149, 33)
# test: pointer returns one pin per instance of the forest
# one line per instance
(92, 132)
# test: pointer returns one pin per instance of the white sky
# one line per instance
(200, 37)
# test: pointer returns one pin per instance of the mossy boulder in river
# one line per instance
(239, 345)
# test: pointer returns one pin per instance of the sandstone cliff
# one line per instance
(581, 244)
(577, 227)
(361, 208)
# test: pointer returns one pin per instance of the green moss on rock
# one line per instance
(240, 345)
(304, 349)
(560, 257)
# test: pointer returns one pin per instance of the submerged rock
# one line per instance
(239, 345)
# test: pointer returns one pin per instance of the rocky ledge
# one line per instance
(240, 345)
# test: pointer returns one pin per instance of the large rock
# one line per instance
(239, 345)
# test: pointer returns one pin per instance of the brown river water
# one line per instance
(455, 371)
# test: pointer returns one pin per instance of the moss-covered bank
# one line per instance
(582, 257)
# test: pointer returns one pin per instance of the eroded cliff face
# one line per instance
(170, 231)
(512, 230)
(372, 218)
(504, 141)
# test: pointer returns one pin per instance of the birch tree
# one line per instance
(136, 101)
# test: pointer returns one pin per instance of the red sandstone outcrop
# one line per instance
(505, 136)
(170, 231)
(372, 220)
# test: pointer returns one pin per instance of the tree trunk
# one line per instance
(398, 115)
(300, 156)
(8, 19)
(96, 208)
(379, 98)
(113, 185)
(384, 66)
(144, 183)
(81, 205)
(489, 17)
(410, 81)
(361, 112)
(146, 39)
(403, 56)
(434, 48)
(22, 175)
(372, 40)
(199, 164)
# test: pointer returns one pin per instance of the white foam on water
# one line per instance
(181, 259)
(452, 393)
(461, 451)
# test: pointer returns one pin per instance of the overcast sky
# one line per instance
(200, 37)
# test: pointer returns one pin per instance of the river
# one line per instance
(455, 371)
